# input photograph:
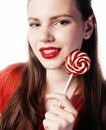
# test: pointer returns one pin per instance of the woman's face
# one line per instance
(55, 30)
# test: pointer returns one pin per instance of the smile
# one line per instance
(49, 52)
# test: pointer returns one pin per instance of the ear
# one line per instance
(89, 27)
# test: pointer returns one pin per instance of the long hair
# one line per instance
(22, 110)
(93, 79)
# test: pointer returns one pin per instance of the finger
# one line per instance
(58, 119)
(55, 117)
(50, 125)
(63, 114)
(64, 100)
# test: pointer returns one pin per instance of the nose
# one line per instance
(46, 35)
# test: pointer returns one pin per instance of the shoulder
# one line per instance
(11, 73)
(11, 68)
(9, 80)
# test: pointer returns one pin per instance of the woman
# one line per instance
(31, 92)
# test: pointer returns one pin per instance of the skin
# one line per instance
(57, 23)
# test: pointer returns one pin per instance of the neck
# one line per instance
(56, 81)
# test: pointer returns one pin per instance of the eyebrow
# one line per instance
(61, 15)
(54, 17)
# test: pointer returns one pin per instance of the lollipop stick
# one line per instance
(66, 87)
(67, 84)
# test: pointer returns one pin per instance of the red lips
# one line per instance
(49, 52)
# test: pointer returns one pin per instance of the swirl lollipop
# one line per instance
(77, 63)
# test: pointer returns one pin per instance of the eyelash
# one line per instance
(63, 22)
(33, 25)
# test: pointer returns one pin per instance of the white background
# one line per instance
(13, 31)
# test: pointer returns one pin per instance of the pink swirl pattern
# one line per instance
(77, 63)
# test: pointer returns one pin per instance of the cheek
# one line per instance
(31, 38)
(74, 38)
(32, 42)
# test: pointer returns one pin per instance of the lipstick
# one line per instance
(49, 52)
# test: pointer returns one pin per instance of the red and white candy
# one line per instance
(76, 63)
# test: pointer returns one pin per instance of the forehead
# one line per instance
(49, 7)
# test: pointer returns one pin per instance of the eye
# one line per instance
(63, 22)
(34, 25)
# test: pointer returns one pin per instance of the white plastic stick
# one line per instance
(67, 84)
(66, 87)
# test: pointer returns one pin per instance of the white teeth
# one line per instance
(49, 51)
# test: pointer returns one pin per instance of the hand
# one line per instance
(61, 116)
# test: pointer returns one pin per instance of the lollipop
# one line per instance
(77, 63)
